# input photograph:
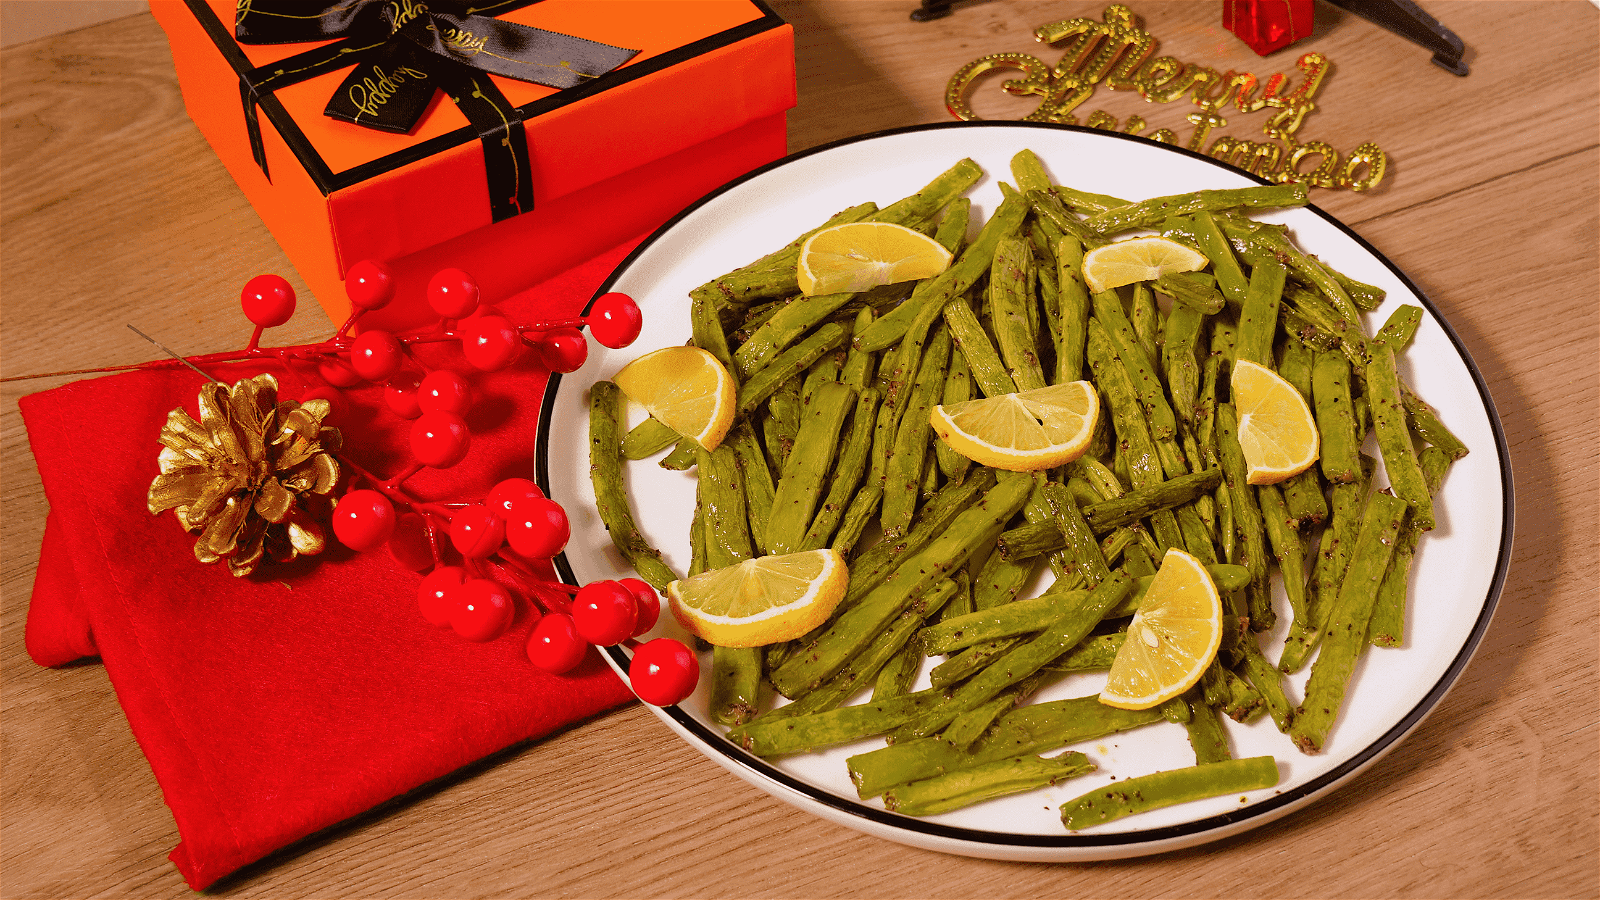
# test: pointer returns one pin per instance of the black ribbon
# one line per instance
(402, 51)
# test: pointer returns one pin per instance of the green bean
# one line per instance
(1340, 453)
(855, 628)
(756, 475)
(965, 730)
(863, 509)
(727, 519)
(1400, 328)
(1394, 436)
(962, 665)
(1180, 363)
(1160, 789)
(1027, 658)
(1011, 280)
(1346, 635)
(936, 195)
(958, 388)
(1082, 547)
(1092, 654)
(972, 264)
(611, 498)
(1145, 318)
(768, 737)
(1388, 616)
(1258, 319)
(1019, 617)
(648, 438)
(735, 684)
(1426, 423)
(1035, 728)
(858, 368)
(683, 456)
(1314, 317)
(982, 359)
(1028, 170)
(1206, 736)
(1133, 432)
(1268, 682)
(1302, 493)
(1250, 547)
(1327, 571)
(897, 675)
(847, 472)
(797, 318)
(1049, 207)
(799, 490)
(1195, 291)
(750, 282)
(1152, 212)
(875, 564)
(904, 474)
(790, 363)
(1224, 265)
(1287, 549)
(782, 419)
(965, 787)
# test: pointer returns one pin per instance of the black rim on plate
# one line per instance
(1265, 809)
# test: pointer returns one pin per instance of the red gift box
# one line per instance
(701, 103)
(1269, 25)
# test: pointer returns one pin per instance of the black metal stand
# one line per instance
(1405, 19)
(931, 9)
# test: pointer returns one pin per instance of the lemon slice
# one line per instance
(1171, 639)
(1137, 259)
(1022, 432)
(1277, 432)
(763, 600)
(861, 255)
(686, 389)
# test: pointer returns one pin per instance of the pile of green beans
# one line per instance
(833, 448)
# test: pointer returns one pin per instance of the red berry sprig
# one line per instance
(475, 554)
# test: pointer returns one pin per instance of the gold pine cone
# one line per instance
(239, 476)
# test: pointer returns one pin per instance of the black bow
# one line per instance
(402, 51)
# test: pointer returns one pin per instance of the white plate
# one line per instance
(1456, 580)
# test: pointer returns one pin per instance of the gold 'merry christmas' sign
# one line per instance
(1118, 54)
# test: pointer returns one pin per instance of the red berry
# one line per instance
(615, 320)
(400, 395)
(663, 672)
(481, 609)
(490, 343)
(440, 439)
(363, 519)
(369, 284)
(338, 405)
(411, 545)
(563, 349)
(507, 492)
(537, 527)
(376, 355)
(604, 613)
(648, 602)
(444, 391)
(338, 373)
(477, 532)
(268, 300)
(452, 293)
(555, 646)
(437, 593)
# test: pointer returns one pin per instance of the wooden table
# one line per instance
(115, 211)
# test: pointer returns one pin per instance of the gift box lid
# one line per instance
(703, 68)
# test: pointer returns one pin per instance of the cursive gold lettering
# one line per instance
(372, 92)
(403, 11)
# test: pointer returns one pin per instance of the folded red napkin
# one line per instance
(275, 705)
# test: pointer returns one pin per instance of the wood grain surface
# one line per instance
(114, 210)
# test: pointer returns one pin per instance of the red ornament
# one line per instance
(1269, 25)
(369, 284)
(268, 300)
(401, 396)
(444, 391)
(452, 293)
(615, 320)
(476, 532)
(410, 545)
(437, 592)
(555, 646)
(503, 495)
(648, 602)
(537, 527)
(440, 439)
(604, 613)
(376, 355)
(481, 610)
(563, 349)
(363, 520)
(663, 672)
(490, 343)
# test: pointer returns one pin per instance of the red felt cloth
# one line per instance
(273, 706)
